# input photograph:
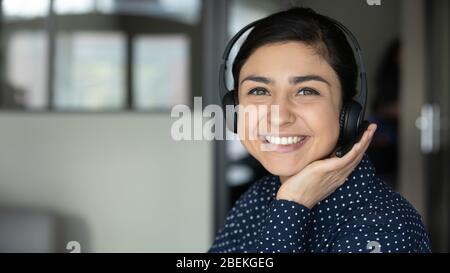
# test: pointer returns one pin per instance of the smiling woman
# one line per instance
(314, 201)
(309, 94)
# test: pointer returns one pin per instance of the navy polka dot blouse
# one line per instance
(363, 215)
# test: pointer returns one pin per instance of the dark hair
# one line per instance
(307, 26)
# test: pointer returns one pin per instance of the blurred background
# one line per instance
(86, 92)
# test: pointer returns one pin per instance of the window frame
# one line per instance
(130, 25)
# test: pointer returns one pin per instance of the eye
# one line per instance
(307, 92)
(258, 92)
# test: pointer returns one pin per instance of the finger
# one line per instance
(362, 147)
(353, 153)
(351, 167)
(336, 163)
(368, 134)
(368, 140)
(357, 149)
(371, 128)
(362, 151)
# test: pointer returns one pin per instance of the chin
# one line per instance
(286, 169)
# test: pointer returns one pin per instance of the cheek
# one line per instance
(252, 119)
(323, 120)
(248, 120)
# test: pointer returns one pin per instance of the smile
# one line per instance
(284, 144)
(284, 140)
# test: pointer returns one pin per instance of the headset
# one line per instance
(351, 121)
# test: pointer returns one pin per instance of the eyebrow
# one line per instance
(292, 80)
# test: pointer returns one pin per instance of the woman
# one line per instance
(313, 201)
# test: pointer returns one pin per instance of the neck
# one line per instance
(284, 179)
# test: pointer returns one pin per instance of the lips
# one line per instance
(289, 140)
(283, 144)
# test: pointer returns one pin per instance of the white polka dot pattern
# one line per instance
(363, 215)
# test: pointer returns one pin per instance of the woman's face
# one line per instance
(308, 92)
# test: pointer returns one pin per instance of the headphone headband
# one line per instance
(226, 54)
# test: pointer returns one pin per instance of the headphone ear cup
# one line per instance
(350, 123)
(230, 116)
(342, 123)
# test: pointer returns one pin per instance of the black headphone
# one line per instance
(351, 122)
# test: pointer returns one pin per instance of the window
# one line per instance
(90, 71)
(161, 77)
(25, 80)
(24, 9)
(25, 49)
(95, 55)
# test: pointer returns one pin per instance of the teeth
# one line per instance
(290, 140)
(284, 140)
(276, 140)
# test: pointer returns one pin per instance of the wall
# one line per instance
(117, 181)
(375, 27)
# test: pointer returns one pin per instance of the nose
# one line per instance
(281, 112)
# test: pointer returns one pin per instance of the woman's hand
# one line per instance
(321, 178)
